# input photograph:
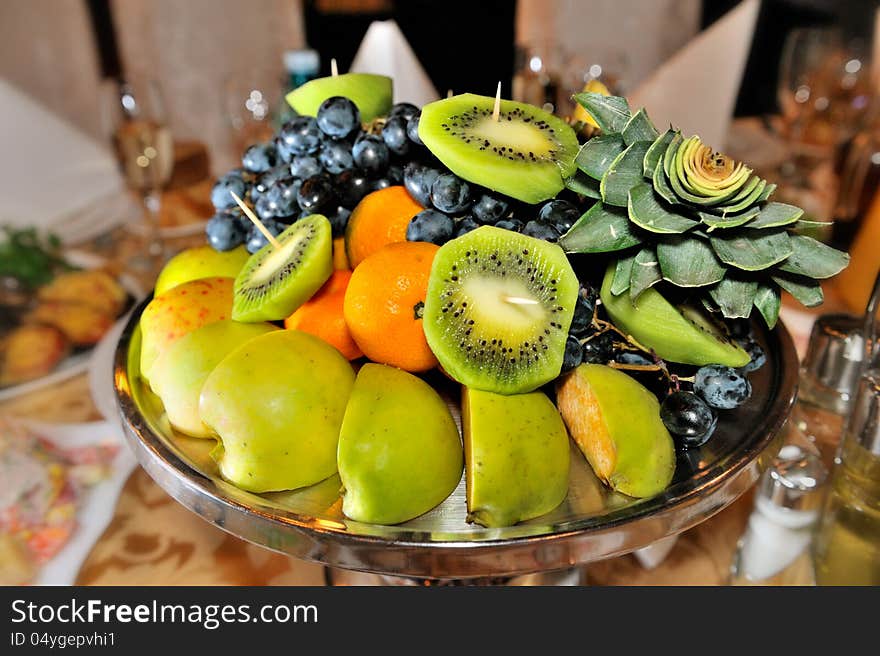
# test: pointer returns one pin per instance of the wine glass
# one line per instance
(252, 104)
(145, 151)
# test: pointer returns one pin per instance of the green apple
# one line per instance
(276, 403)
(399, 450)
(200, 262)
(180, 370)
(516, 456)
(179, 311)
(616, 423)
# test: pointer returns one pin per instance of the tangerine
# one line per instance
(384, 304)
(379, 219)
(322, 316)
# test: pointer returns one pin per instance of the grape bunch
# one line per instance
(323, 164)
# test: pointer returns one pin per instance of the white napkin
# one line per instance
(696, 89)
(385, 51)
(50, 169)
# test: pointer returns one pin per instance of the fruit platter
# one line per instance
(472, 339)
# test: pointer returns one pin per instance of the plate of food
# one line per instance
(55, 306)
(470, 340)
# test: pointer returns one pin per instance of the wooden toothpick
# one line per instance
(496, 113)
(449, 93)
(334, 71)
(519, 300)
(253, 217)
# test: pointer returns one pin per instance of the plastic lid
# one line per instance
(793, 478)
(302, 61)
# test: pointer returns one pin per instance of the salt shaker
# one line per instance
(775, 548)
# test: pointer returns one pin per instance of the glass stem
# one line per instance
(152, 204)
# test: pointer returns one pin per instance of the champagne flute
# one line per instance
(145, 151)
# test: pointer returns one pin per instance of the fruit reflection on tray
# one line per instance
(50, 311)
(592, 282)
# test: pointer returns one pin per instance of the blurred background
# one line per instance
(789, 86)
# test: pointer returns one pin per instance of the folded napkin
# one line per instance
(51, 170)
(385, 51)
(696, 89)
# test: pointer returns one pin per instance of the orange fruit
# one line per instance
(384, 302)
(322, 316)
(340, 259)
(379, 219)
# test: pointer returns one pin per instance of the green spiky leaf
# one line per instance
(622, 274)
(623, 174)
(774, 215)
(582, 184)
(597, 155)
(768, 301)
(734, 297)
(645, 273)
(687, 262)
(752, 250)
(655, 153)
(639, 128)
(600, 230)
(747, 198)
(647, 212)
(730, 221)
(805, 291)
(611, 113)
(814, 259)
(661, 186)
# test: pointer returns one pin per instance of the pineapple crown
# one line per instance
(674, 209)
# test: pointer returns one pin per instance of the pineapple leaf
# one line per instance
(814, 259)
(752, 250)
(805, 291)
(689, 262)
(622, 274)
(596, 156)
(774, 215)
(582, 184)
(645, 273)
(730, 221)
(655, 153)
(623, 174)
(639, 128)
(735, 297)
(647, 212)
(600, 230)
(768, 302)
(611, 113)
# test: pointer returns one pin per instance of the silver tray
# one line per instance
(591, 524)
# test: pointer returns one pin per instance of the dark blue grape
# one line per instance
(560, 214)
(259, 158)
(431, 226)
(722, 387)
(599, 349)
(351, 187)
(418, 179)
(305, 166)
(394, 135)
(688, 418)
(283, 195)
(371, 154)
(299, 136)
(412, 129)
(265, 208)
(338, 117)
(629, 357)
(540, 230)
(315, 194)
(336, 157)
(450, 194)
(581, 322)
(490, 208)
(404, 110)
(224, 232)
(267, 181)
(221, 196)
(255, 238)
(465, 225)
(381, 183)
(394, 174)
(339, 220)
(513, 225)
(574, 354)
(758, 357)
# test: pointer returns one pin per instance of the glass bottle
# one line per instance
(775, 548)
(847, 545)
(300, 66)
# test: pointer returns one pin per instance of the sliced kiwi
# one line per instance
(276, 281)
(498, 310)
(676, 333)
(371, 93)
(526, 154)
